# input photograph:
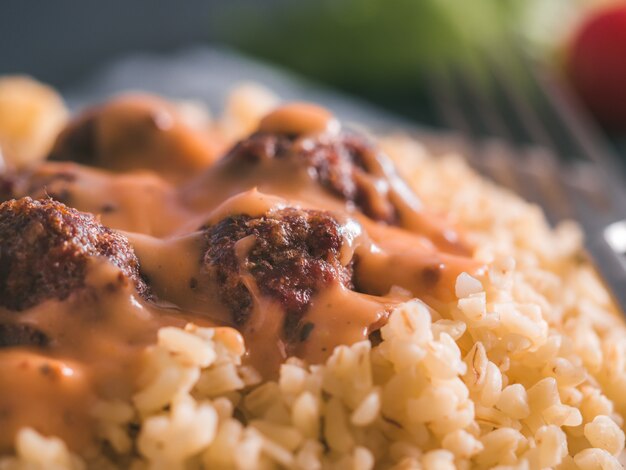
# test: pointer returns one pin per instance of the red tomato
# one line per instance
(597, 64)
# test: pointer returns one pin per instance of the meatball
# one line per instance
(14, 334)
(7, 186)
(290, 253)
(40, 183)
(45, 247)
(345, 164)
(78, 142)
(135, 132)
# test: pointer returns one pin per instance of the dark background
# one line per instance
(59, 42)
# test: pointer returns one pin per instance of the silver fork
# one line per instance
(542, 148)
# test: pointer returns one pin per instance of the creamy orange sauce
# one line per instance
(142, 131)
(301, 119)
(97, 338)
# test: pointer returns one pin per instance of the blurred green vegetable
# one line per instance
(370, 42)
(380, 48)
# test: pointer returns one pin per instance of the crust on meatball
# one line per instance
(45, 248)
(22, 334)
(345, 164)
(290, 253)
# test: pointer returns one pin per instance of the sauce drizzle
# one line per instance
(98, 333)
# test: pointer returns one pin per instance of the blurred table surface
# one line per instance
(208, 74)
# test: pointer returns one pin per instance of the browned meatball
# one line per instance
(135, 132)
(293, 254)
(38, 184)
(345, 164)
(14, 334)
(78, 142)
(45, 247)
(7, 186)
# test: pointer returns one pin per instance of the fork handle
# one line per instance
(608, 252)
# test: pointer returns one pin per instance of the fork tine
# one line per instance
(544, 166)
(501, 162)
(478, 98)
(446, 102)
(532, 171)
(583, 135)
(601, 215)
(507, 165)
(541, 161)
(530, 124)
(448, 105)
(542, 171)
(604, 243)
(451, 105)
